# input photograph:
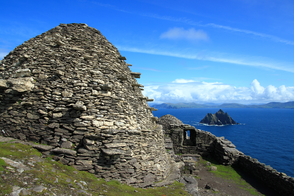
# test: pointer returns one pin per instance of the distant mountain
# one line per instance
(289, 104)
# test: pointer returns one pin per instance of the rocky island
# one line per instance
(219, 118)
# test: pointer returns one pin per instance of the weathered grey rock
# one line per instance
(3, 83)
(42, 147)
(113, 151)
(150, 178)
(79, 106)
(16, 190)
(64, 151)
(18, 165)
(219, 118)
(115, 145)
(22, 73)
(21, 84)
(39, 188)
(53, 125)
(32, 116)
(191, 185)
(66, 144)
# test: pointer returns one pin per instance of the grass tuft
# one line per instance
(61, 179)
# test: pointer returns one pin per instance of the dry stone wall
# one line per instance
(224, 151)
(279, 182)
(186, 139)
(71, 89)
(202, 143)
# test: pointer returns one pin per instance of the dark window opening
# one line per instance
(189, 137)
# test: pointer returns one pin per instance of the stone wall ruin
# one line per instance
(222, 150)
(71, 89)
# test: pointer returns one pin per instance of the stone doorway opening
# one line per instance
(189, 137)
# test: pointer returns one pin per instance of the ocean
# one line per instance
(264, 134)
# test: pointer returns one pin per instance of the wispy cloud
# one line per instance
(187, 91)
(191, 22)
(189, 34)
(184, 20)
(195, 23)
(182, 81)
(246, 61)
(249, 62)
(271, 37)
(155, 52)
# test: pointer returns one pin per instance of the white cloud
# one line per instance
(256, 87)
(190, 34)
(200, 92)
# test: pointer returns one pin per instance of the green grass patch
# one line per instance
(229, 173)
(2, 165)
(17, 150)
(114, 188)
(62, 179)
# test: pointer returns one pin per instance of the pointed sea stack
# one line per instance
(219, 118)
(71, 89)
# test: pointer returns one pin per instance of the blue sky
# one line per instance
(238, 51)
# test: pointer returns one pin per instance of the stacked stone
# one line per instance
(204, 143)
(71, 89)
(168, 120)
(225, 152)
(278, 181)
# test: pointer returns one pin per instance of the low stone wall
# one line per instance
(280, 182)
(205, 143)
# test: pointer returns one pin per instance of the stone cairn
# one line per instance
(70, 88)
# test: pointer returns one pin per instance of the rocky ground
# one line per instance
(33, 175)
(211, 184)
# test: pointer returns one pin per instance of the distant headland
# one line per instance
(287, 105)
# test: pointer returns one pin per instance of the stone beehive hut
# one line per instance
(71, 89)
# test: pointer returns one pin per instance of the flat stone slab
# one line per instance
(115, 145)
(42, 147)
(64, 151)
(113, 151)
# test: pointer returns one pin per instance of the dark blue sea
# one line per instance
(264, 134)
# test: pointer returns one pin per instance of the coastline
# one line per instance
(264, 134)
(225, 152)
